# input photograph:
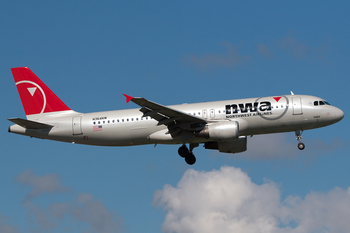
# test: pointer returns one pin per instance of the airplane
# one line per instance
(220, 125)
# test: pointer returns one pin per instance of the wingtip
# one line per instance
(128, 98)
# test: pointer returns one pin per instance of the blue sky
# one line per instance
(90, 53)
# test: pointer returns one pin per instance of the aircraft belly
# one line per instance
(107, 136)
(139, 135)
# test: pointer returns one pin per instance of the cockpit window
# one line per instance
(322, 102)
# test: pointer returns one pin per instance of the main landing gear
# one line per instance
(301, 146)
(186, 153)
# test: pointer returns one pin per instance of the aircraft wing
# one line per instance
(164, 115)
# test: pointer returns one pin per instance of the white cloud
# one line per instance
(231, 57)
(96, 214)
(296, 48)
(86, 209)
(270, 146)
(284, 146)
(226, 200)
(210, 60)
(7, 228)
(48, 183)
(299, 49)
(264, 50)
(39, 217)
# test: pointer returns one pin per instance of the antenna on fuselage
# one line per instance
(291, 93)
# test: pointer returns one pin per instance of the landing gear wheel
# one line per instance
(190, 159)
(301, 146)
(183, 151)
(186, 153)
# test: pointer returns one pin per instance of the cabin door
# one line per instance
(77, 125)
(297, 109)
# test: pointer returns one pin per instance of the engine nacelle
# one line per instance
(240, 145)
(222, 131)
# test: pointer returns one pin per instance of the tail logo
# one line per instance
(32, 91)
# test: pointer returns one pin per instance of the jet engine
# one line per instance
(222, 131)
(240, 145)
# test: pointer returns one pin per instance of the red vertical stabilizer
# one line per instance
(36, 97)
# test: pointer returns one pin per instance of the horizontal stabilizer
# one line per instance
(30, 124)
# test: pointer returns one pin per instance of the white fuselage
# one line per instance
(127, 127)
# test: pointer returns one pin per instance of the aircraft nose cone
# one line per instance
(340, 114)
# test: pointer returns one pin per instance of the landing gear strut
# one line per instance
(301, 146)
(186, 153)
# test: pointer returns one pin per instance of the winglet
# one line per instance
(128, 98)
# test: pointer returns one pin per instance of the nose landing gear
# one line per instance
(186, 153)
(301, 146)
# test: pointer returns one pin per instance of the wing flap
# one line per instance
(30, 124)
